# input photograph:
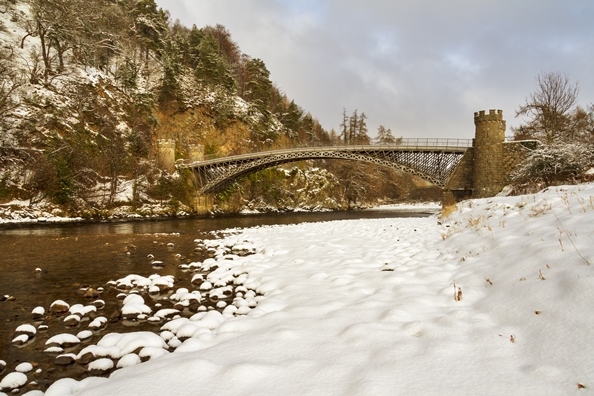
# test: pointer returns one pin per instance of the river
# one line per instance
(47, 262)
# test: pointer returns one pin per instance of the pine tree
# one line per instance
(258, 87)
(150, 25)
(291, 118)
(212, 69)
(385, 136)
(344, 127)
(361, 136)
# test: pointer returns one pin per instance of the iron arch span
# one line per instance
(434, 164)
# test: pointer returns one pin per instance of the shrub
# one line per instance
(560, 162)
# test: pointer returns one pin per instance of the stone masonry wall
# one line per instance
(459, 187)
(513, 154)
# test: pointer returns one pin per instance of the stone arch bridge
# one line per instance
(463, 168)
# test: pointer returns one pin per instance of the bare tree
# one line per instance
(548, 109)
(10, 81)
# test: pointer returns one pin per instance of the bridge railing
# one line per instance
(403, 142)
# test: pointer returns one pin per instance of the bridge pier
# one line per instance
(203, 204)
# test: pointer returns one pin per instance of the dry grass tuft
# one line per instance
(446, 211)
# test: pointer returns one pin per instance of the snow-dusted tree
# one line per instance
(150, 26)
(89, 32)
(291, 116)
(354, 179)
(549, 109)
(582, 125)
(258, 87)
(228, 48)
(558, 162)
(212, 69)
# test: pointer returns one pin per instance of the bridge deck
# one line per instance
(431, 159)
(425, 145)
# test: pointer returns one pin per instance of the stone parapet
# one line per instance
(514, 153)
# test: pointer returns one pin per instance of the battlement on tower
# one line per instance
(166, 143)
(196, 152)
(493, 115)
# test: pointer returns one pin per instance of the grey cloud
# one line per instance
(419, 67)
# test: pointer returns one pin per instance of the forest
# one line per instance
(87, 88)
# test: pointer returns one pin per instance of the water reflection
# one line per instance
(71, 255)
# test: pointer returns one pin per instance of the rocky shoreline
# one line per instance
(86, 335)
(20, 212)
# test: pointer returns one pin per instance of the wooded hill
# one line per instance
(88, 87)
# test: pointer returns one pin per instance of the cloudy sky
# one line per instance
(418, 67)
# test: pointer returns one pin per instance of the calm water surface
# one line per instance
(75, 255)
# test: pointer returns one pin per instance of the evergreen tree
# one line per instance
(258, 87)
(385, 136)
(192, 54)
(344, 127)
(228, 48)
(354, 128)
(212, 69)
(150, 25)
(291, 118)
(360, 134)
(353, 125)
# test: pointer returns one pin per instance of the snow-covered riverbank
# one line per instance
(20, 212)
(496, 299)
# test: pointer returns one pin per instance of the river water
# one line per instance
(43, 263)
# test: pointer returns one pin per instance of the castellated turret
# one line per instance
(166, 154)
(488, 153)
(195, 152)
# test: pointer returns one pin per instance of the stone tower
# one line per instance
(166, 152)
(488, 179)
(196, 152)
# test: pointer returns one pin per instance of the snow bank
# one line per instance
(496, 299)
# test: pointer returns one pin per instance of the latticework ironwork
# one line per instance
(432, 163)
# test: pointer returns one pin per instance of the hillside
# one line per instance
(88, 88)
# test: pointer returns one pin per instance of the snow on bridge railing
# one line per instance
(402, 142)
